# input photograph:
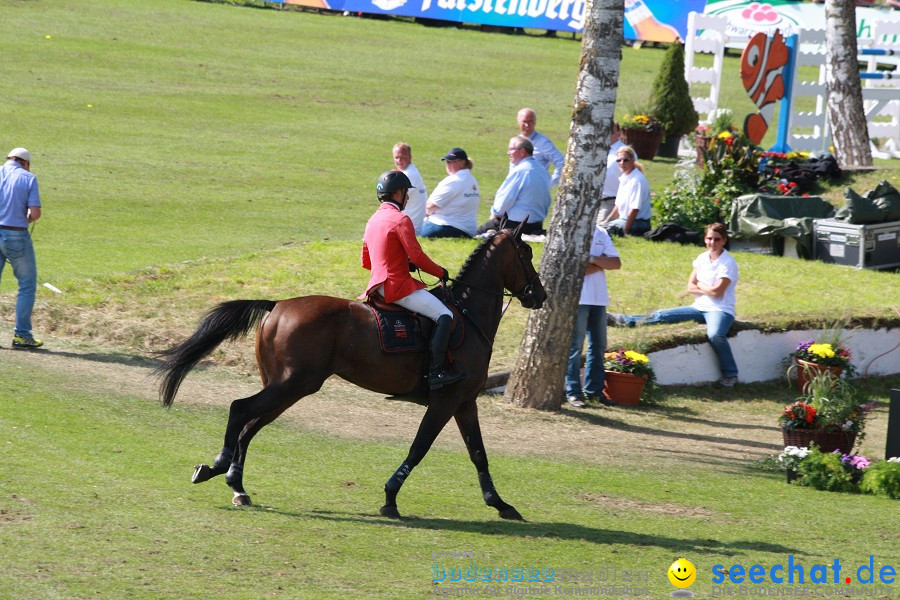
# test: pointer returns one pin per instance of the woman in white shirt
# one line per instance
(451, 210)
(712, 283)
(631, 213)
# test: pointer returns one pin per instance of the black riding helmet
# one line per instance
(390, 182)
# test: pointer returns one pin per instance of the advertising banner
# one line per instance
(646, 20)
(747, 18)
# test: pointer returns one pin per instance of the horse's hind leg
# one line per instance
(433, 422)
(467, 421)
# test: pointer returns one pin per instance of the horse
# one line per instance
(300, 342)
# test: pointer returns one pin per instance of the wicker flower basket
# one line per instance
(827, 441)
(806, 369)
(701, 143)
(645, 143)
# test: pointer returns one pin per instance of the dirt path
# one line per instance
(624, 436)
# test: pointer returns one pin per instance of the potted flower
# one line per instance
(811, 357)
(831, 413)
(628, 375)
(790, 459)
(643, 132)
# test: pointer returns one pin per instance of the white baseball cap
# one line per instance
(19, 153)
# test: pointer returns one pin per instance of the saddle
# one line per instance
(400, 330)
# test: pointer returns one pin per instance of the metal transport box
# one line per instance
(869, 246)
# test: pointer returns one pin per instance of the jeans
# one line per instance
(717, 325)
(590, 320)
(617, 227)
(430, 230)
(16, 247)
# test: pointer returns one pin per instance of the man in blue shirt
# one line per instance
(524, 193)
(20, 204)
(545, 152)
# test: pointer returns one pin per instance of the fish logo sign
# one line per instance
(762, 64)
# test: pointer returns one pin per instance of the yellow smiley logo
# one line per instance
(682, 573)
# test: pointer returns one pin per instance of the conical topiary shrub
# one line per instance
(671, 98)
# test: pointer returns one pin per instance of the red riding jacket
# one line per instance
(388, 244)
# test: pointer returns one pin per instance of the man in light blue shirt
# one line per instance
(524, 193)
(545, 152)
(20, 204)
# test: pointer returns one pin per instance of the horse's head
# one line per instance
(519, 274)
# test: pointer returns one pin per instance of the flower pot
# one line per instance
(624, 388)
(807, 370)
(827, 441)
(645, 143)
(669, 146)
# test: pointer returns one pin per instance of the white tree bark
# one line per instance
(537, 381)
(846, 114)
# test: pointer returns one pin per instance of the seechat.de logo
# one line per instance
(795, 572)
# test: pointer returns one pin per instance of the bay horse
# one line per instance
(302, 341)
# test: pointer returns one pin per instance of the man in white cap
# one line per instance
(20, 204)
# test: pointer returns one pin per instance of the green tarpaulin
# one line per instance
(766, 215)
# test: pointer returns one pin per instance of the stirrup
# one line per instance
(444, 377)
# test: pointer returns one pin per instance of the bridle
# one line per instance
(527, 292)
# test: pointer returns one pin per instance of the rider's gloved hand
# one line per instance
(445, 277)
(412, 267)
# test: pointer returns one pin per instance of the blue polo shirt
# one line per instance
(525, 193)
(18, 191)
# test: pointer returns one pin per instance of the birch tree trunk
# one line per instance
(537, 381)
(846, 114)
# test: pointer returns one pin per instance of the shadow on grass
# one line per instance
(121, 358)
(552, 530)
(622, 426)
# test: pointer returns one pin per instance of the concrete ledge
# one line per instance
(760, 355)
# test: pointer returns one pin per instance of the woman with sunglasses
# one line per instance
(712, 284)
(631, 213)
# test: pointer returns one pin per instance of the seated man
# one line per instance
(524, 193)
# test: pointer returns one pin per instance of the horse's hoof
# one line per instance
(201, 473)
(390, 512)
(510, 513)
(241, 500)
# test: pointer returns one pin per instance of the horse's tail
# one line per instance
(228, 321)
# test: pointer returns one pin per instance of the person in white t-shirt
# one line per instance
(452, 208)
(613, 172)
(415, 207)
(631, 213)
(591, 320)
(712, 283)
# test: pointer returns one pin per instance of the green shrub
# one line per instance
(672, 102)
(882, 479)
(826, 471)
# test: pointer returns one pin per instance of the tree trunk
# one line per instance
(537, 379)
(846, 114)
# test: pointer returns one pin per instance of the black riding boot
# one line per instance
(439, 373)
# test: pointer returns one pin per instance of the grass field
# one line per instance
(191, 152)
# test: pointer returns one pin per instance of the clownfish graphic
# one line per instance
(762, 63)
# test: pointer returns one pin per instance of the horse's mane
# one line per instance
(468, 265)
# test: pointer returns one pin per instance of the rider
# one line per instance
(390, 250)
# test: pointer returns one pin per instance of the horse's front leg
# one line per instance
(433, 422)
(467, 421)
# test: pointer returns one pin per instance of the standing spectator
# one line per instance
(631, 213)
(415, 208)
(613, 172)
(20, 204)
(452, 208)
(524, 193)
(545, 152)
(591, 320)
(713, 282)
(389, 248)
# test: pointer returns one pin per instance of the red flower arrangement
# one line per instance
(798, 415)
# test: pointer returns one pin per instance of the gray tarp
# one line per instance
(765, 215)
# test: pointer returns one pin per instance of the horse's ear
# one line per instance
(517, 235)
